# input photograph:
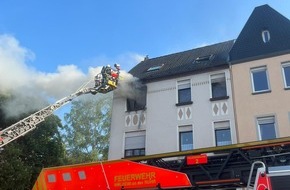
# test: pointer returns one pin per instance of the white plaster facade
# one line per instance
(162, 119)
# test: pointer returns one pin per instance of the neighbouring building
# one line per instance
(225, 93)
(260, 65)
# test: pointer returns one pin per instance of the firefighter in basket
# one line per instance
(107, 80)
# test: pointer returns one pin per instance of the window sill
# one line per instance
(287, 88)
(219, 98)
(262, 92)
(184, 103)
(135, 110)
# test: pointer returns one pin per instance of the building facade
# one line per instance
(225, 93)
(187, 105)
(260, 66)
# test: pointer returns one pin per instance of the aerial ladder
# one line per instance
(105, 82)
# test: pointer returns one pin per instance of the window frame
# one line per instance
(139, 101)
(256, 70)
(266, 120)
(222, 125)
(218, 76)
(285, 65)
(186, 82)
(180, 139)
(135, 148)
(266, 37)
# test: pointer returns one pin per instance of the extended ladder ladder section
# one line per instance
(29, 123)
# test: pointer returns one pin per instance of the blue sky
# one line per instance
(45, 45)
(87, 33)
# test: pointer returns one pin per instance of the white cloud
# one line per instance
(31, 89)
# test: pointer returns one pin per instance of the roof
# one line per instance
(249, 44)
(192, 61)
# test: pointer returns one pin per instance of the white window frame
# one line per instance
(287, 64)
(264, 120)
(220, 125)
(266, 36)
(185, 128)
(258, 69)
(218, 76)
(135, 134)
(186, 83)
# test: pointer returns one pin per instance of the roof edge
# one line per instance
(259, 57)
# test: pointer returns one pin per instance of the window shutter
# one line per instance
(135, 142)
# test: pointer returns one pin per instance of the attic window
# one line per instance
(204, 58)
(266, 36)
(154, 68)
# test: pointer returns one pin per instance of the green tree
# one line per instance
(43, 147)
(86, 134)
(22, 160)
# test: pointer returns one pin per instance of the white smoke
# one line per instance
(30, 89)
(129, 86)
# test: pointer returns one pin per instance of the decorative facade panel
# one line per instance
(184, 113)
(135, 119)
(220, 108)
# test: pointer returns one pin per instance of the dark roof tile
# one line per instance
(249, 44)
(184, 62)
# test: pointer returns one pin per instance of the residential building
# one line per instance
(230, 92)
(185, 103)
(260, 69)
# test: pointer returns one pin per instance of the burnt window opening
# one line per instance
(138, 100)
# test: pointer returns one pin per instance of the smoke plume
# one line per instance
(30, 90)
(129, 86)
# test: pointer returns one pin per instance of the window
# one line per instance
(260, 80)
(203, 58)
(82, 175)
(135, 144)
(51, 178)
(66, 177)
(186, 140)
(286, 74)
(266, 128)
(218, 86)
(137, 101)
(222, 133)
(184, 92)
(155, 68)
(266, 36)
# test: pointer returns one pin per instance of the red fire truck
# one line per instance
(260, 165)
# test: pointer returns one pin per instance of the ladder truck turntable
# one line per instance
(259, 165)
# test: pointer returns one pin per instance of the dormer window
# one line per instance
(266, 36)
(204, 58)
(155, 68)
